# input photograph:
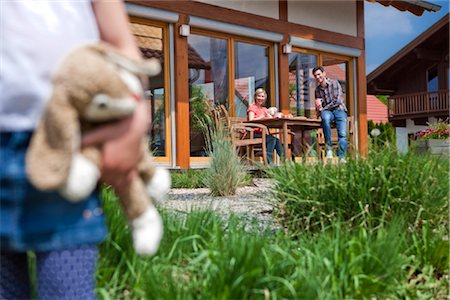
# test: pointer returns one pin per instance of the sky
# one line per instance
(388, 29)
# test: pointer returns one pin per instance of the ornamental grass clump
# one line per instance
(438, 131)
(226, 172)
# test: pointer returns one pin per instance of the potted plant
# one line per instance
(434, 139)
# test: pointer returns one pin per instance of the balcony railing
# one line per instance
(419, 104)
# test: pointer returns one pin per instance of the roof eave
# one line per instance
(416, 7)
(425, 4)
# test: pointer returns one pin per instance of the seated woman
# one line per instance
(258, 111)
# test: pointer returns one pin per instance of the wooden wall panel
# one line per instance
(283, 77)
(363, 136)
(360, 18)
(283, 10)
(181, 96)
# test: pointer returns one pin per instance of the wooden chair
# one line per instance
(221, 116)
(334, 137)
(243, 138)
(242, 135)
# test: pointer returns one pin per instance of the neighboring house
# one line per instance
(417, 81)
(377, 111)
(221, 51)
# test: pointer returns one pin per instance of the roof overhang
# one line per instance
(416, 7)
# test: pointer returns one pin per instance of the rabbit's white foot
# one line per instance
(159, 185)
(147, 231)
(82, 179)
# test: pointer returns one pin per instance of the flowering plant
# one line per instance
(438, 131)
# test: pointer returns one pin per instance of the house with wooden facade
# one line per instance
(219, 52)
(417, 80)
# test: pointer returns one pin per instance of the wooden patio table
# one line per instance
(285, 123)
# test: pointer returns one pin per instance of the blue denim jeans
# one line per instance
(273, 143)
(340, 118)
(31, 219)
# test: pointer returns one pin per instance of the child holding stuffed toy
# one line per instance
(64, 235)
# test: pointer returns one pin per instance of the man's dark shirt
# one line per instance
(332, 95)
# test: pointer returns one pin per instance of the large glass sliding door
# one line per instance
(151, 39)
(208, 84)
(302, 85)
(221, 66)
(251, 71)
(337, 68)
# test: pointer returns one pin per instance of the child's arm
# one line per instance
(112, 21)
(122, 141)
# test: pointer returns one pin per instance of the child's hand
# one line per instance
(121, 154)
(121, 146)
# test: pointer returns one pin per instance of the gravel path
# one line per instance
(250, 201)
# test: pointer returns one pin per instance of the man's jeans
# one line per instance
(340, 118)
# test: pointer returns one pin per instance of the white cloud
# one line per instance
(386, 21)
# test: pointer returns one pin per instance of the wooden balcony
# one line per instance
(419, 105)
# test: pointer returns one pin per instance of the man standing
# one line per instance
(331, 107)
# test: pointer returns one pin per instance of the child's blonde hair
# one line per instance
(272, 111)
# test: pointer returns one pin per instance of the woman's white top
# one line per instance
(34, 37)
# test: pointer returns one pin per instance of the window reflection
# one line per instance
(302, 84)
(337, 69)
(432, 86)
(208, 84)
(301, 98)
(151, 43)
(251, 65)
(432, 79)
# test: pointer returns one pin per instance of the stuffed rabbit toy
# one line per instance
(93, 85)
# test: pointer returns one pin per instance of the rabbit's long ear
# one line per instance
(53, 144)
(149, 67)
